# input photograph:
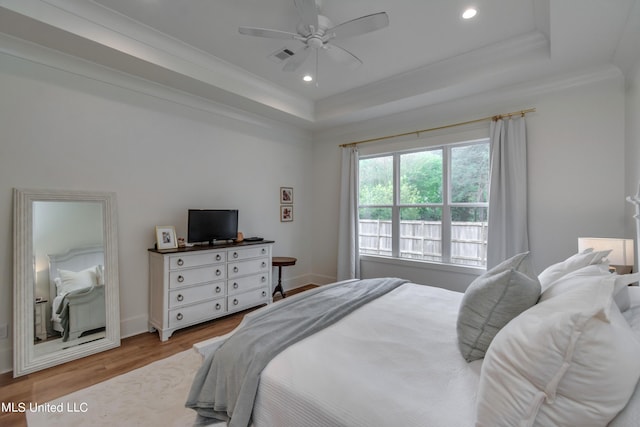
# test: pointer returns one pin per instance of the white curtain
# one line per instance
(508, 224)
(348, 256)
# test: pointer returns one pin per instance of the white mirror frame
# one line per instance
(24, 358)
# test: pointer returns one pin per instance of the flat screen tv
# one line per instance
(209, 225)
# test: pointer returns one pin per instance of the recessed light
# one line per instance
(307, 78)
(469, 13)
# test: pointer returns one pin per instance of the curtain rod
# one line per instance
(418, 132)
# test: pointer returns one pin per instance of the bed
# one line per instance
(418, 355)
(76, 286)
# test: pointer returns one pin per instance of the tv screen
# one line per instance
(208, 225)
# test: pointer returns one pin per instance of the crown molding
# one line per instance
(89, 31)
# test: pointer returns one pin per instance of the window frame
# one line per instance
(446, 205)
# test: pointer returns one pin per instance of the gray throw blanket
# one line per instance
(226, 384)
(63, 310)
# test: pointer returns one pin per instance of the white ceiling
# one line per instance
(427, 54)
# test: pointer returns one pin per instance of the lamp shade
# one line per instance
(621, 249)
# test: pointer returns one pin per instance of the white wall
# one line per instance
(576, 152)
(160, 151)
(633, 145)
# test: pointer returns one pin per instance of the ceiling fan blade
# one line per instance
(362, 25)
(308, 14)
(342, 56)
(297, 59)
(271, 34)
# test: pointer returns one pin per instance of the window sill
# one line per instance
(426, 265)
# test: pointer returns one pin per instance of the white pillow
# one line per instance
(630, 415)
(74, 280)
(573, 263)
(58, 283)
(571, 360)
(100, 274)
(577, 278)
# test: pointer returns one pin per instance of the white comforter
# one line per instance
(394, 362)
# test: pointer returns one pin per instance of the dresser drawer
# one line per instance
(194, 294)
(251, 298)
(187, 315)
(196, 260)
(246, 253)
(193, 276)
(244, 268)
(243, 284)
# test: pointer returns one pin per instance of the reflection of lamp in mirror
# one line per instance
(621, 258)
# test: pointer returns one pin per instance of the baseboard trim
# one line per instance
(6, 360)
(134, 325)
(303, 280)
(320, 280)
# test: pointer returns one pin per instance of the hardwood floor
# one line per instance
(135, 352)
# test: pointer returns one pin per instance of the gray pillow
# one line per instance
(492, 300)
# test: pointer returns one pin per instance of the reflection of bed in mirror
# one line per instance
(76, 286)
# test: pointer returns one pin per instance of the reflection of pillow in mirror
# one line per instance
(58, 283)
(74, 280)
(100, 274)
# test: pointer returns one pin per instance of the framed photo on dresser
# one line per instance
(166, 237)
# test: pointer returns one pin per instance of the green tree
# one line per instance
(421, 182)
(469, 180)
(376, 187)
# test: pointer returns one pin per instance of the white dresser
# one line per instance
(196, 284)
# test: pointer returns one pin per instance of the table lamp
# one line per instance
(621, 258)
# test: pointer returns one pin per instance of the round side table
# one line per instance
(281, 261)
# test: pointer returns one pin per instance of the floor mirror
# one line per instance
(65, 300)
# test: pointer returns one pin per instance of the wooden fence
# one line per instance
(423, 240)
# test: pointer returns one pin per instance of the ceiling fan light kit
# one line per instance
(469, 13)
(315, 31)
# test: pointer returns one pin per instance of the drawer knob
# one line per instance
(235, 285)
(180, 262)
(235, 301)
(179, 316)
(264, 264)
(218, 257)
(180, 279)
(180, 297)
(264, 251)
(218, 289)
(218, 306)
(218, 272)
(235, 269)
(235, 254)
(263, 279)
(264, 293)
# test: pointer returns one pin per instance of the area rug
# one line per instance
(153, 395)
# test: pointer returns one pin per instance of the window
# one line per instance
(429, 205)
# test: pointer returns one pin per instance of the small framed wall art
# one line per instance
(286, 213)
(166, 237)
(286, 195)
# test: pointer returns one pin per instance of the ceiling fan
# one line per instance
(316, 32)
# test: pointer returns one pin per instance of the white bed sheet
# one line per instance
(394, 362)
